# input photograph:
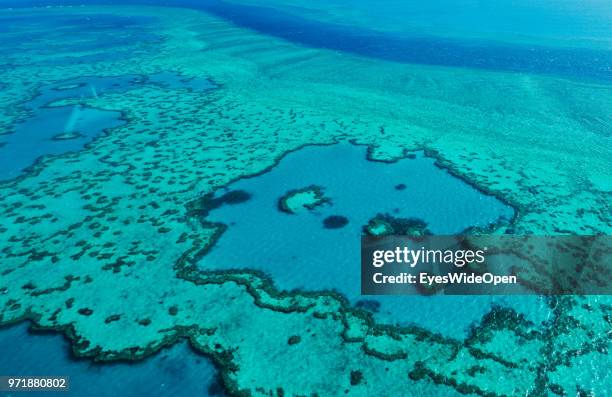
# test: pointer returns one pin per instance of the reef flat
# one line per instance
(99, 243)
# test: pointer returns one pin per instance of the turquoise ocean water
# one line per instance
(567, 39)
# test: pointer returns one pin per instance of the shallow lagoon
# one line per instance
(298, 251)
(54, 130)
(176, 371)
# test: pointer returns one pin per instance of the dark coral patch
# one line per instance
(207, 203)
(385, 224)
(85, 311)
(294, 339)
(335, 222)
(356, 377)
(400, 186)
(112, 318)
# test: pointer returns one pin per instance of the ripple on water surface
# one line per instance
(319, 248)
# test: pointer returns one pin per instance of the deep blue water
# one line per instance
(573, 62)
(176, 371)
(298, 252)
(580, 63)
(101, 38)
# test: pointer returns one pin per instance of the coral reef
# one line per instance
(101, 243)
(309, 198)
(385, 224)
